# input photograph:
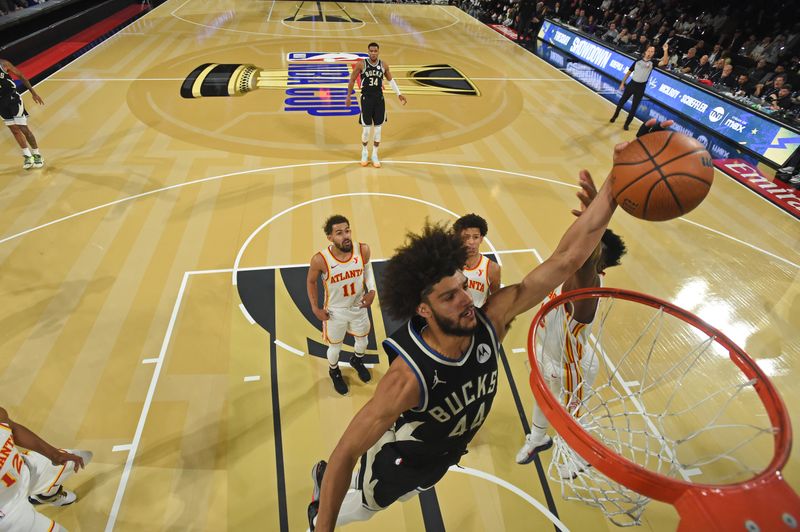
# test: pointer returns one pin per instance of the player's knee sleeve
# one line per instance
(365, 134)
(361, 344)
(333, 354)
(377, 133)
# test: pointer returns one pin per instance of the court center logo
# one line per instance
(484, 352)
(316, 82)
(716, 114)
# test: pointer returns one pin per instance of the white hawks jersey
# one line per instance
(344, 280)
(478, 281)
(14, 474)
(563, 347)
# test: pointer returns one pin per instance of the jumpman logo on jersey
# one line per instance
(436, 379)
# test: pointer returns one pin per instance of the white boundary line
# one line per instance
(284, 36)
(289, 348)
(121, 448)
(252, 378)
(370, 13)
(149, 361)
(247, 315)
(333, 163)
(249, 239)
(137, 437)
(513, 489)
(269, 16)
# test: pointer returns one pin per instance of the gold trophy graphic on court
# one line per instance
(319, 71)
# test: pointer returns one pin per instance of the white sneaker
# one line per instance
(572, 465)
(532, 447)
(364, 157)
(62, 498)
(375, 162)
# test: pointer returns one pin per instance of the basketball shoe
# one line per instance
(317, 472)
(357, 363)
(532, 447)
(338, 381)
(364, 156)
(27, 164)
(375, 162)
(38, 162)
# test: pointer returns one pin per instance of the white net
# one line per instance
(656, 390)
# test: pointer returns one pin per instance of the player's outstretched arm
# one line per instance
(316, 269)
(26, 438)
(393, 83)
(575, 247)
(396, 392)
(14, 70)
(359, 66)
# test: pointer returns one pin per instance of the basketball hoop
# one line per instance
(667, 418)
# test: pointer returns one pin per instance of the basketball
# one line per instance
(662, 175)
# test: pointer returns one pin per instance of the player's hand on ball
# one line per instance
(368, 298)
(322, 314)
(587, 193)
(651, 127)
(63, 457)
(403, 99)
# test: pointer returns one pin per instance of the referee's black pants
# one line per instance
(635, 89)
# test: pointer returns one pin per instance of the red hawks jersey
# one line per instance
(343, 280)
(14, 474)
(478, 281)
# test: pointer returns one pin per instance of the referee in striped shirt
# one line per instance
(639, 75)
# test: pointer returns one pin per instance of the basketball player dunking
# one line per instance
(33, 476)
(483, 275)
(349, 290)
(373, 107)
(566, 337)
(443, 373)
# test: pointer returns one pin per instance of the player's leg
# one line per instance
(378, 118)
(538, 440)
(22, 516)
(637, 92)
(365, 119)
(46, 484)
(359, 328)
(38, 162)
(334, 331)
(626, 94)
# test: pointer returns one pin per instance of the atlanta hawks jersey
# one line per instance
(455, 395)
(372, 78)
(14, 474)
(344, 280)
(478, 281)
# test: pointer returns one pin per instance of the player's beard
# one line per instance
(452, 327)
(346, 246)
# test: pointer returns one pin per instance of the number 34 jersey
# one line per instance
(343, 280)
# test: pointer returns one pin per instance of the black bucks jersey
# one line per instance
(455, 395)
(8, 89)
(372, 79)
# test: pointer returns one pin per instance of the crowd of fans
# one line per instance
(7, 6)
(748, 51)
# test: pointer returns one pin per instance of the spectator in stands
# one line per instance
(782, 99)
(726, 79)
(703, 68)
(765, 90)
(579, 20)
(759, 51)
(689, 61)
(611, 33)
(749, 45)
(777, 71)
(716, 69)
(758, 71)
(715, 54)
(622, 38)
(661, 36)
(641, 45)
(591, 26)
(6, 6)
(743, 86)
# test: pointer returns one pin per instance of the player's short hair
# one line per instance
(424, 260)
(376, 45)
(333, 220)
(469, 221)
(613, 249)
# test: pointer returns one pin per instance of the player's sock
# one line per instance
(375, 161)
(27, 152)
(35, 151)
(364, 155)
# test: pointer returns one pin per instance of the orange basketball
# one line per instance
(662, 175)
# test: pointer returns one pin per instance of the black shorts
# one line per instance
(384, 477)
(373, 110)
(13, 111)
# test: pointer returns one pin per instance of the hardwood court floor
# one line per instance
(122, 329)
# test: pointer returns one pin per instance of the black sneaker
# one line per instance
(317, 472)
(357, 363)
(338, 381)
